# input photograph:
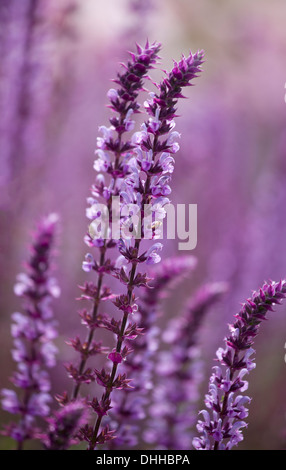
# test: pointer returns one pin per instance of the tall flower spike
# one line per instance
(33, 332)
(179, 374)
(111, 156)
(129, 406)
(145, 183)
(221, 426)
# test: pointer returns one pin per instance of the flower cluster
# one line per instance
(154, 147)
(111, 160)
(179, 373)
(112, 155)
(139, 172)
(129, 406)
(221, 427)
(33, 332)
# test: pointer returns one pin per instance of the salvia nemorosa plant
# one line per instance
(221, 426)
(137, 387)
(33, 331)
(137, 170)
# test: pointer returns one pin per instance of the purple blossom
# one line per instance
(111, 159)
(33, 332)
(137, 173)
(221, 426)
(152, 152)
(151, 187)
(152, 254)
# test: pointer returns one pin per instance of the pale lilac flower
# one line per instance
(88, 264)
(152, 254)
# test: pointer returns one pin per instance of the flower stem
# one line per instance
(118, 349)
(94, 314)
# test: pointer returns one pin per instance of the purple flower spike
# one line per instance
(33, 332)
(111, 157)
(221, 426)
(138, 171)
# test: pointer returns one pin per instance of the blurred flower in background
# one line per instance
(57, 57)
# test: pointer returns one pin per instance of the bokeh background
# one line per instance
(57, 59)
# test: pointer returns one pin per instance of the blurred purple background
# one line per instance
(57, 59)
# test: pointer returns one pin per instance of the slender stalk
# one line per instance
(91, 331)
(118, 349)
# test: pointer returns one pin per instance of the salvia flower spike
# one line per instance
(144, 180)
(221, 425)
(33, 332)
(111, 166)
